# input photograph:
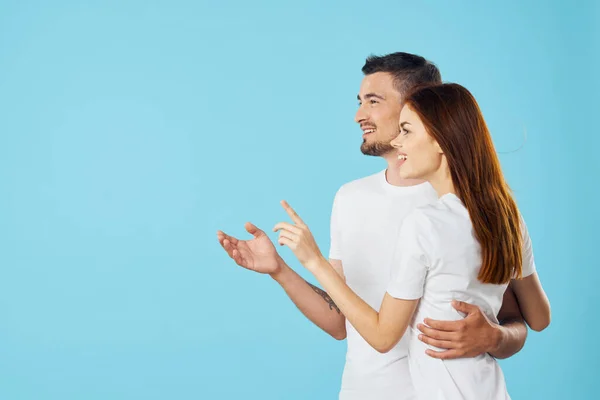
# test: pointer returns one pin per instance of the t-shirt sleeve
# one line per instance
(527, 251)
(335, 246)
(411, 261)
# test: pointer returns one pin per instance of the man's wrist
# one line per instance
(497, 338)
(281, 270)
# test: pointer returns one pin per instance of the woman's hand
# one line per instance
(299, 239)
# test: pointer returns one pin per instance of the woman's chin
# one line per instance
(405, 174)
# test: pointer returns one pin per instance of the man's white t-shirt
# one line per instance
(438, 259)
(365, 223)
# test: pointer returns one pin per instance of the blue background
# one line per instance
(131, 131)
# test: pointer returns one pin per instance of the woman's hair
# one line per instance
(453, 118)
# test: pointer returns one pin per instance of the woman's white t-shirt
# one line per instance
(438, 260)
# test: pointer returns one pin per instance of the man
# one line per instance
(366, 216)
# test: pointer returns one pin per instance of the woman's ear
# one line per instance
(438, 148)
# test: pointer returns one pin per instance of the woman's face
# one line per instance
(419, 155)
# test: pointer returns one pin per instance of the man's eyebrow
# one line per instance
(371, 95)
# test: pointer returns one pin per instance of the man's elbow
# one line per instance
(338, 332)
(339, 335)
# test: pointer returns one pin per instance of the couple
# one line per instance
(430, 271)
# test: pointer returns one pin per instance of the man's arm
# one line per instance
(259, 255)
(312, 301)
(512, 329)
(476, 334)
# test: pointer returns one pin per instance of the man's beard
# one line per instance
(376, 149)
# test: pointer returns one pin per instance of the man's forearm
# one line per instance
(511, 338)
(312, 301)
(512, 330)
(325, 296)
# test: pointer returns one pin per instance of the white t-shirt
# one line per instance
(438, 260)
(366, 218)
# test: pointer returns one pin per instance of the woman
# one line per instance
(468, 246)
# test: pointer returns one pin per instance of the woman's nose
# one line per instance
(396, 142)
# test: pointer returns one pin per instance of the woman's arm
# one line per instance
(531, 297)
(533, 301)
(383, 329)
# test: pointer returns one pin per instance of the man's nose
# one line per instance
(360, 115)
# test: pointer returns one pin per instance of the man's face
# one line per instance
(378, 113)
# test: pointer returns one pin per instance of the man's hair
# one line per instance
(409, 70)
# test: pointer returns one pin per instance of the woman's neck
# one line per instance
(441, 181)
(392, 175)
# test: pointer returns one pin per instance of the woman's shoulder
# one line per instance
(438, 219)
(421, 221)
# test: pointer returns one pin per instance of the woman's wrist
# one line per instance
(317, 263)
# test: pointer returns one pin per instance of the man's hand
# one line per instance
(258, 254)
(469, 337)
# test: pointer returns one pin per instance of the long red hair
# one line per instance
(453, 118)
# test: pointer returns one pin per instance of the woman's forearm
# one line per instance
(382, 335)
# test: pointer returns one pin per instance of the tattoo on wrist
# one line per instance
(325, 297)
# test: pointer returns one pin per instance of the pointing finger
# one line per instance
(290, 211)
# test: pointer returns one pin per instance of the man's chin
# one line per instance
(375, 149)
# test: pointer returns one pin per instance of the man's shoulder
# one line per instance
(359, 185)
